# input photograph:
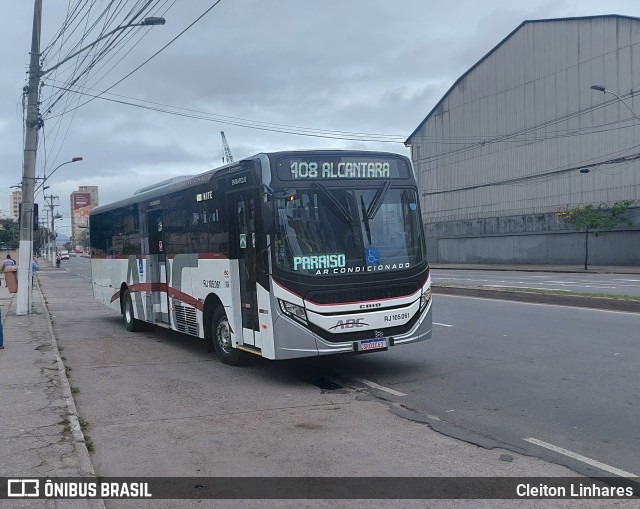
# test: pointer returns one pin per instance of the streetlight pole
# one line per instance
(32, 123)
(604, 90)
(45, 178)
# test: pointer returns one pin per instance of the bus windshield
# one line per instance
(336, 231)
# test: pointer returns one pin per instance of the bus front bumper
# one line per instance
(293, 340)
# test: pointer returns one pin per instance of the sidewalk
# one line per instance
(595, 269)
(39, 431)
(524, 295)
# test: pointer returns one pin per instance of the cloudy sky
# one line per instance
(262, 71)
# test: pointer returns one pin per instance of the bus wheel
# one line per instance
(221, 336)
(130, 322)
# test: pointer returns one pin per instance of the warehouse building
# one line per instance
(522, 135)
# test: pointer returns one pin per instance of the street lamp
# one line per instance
(45, 178)
(33, 122)
(146, 22)
(604, 90)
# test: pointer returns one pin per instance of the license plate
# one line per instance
(365, 345)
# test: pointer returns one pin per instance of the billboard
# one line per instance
(81, 209)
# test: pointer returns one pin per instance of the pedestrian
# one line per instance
(8, 263)
(34, 268)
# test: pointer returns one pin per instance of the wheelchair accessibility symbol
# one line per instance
(372, 256)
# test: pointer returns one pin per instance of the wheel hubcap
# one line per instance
(223, 335)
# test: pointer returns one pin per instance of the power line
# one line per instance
(109, 14)
(154, 55)
(297, 131)
(223, 118)
(533, 177)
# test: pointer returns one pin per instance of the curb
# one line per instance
(519, 268)
(523, 296)
(84, 460)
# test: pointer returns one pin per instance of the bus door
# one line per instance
(242, 242)
(157, 299)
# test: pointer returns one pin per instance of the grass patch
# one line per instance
(630, 298)
(75, 389)
(66, 426)
(89, 443)
(84, 424)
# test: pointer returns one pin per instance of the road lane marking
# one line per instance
(442, 324)
(580, 457)
(530, 288)
(374, 385)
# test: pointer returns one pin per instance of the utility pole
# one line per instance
(42, 223)
(23, 302)
(47, 236)
(54, 252)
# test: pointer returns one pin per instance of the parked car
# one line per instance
(64, 255)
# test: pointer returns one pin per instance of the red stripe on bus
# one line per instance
(201, 256)
(163, 288)
(143, 287)
(186, 298)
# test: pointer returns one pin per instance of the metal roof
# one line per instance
(553, 20)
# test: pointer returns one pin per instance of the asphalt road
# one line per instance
(617, 284)
(510, 371)
(78, 266)
(498, 374)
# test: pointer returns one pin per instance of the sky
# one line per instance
(272, 74)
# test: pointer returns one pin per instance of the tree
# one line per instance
(589, 218)
(84, 239)
(9, 233)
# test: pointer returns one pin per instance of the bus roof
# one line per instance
(183, 182)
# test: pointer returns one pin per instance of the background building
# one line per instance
(503, 149)
(14, 205)
(82, 202)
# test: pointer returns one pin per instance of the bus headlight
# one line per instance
(425, 298)
(293, 310)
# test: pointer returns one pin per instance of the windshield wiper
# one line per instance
(377, 200)
(365, 220)
(337, 206)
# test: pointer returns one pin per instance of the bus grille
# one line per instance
(186, 320)
(351, 295)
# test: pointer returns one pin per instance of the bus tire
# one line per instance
(221, 337)
(130, 322)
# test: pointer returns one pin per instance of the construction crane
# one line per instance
(227, 151)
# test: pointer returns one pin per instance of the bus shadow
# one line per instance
(337, 371)
(331, 372)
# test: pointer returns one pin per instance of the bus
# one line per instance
(282, 255)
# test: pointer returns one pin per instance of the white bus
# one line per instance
(282, 255)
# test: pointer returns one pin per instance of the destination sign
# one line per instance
(341, 168)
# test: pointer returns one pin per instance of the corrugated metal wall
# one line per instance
(527, 109)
